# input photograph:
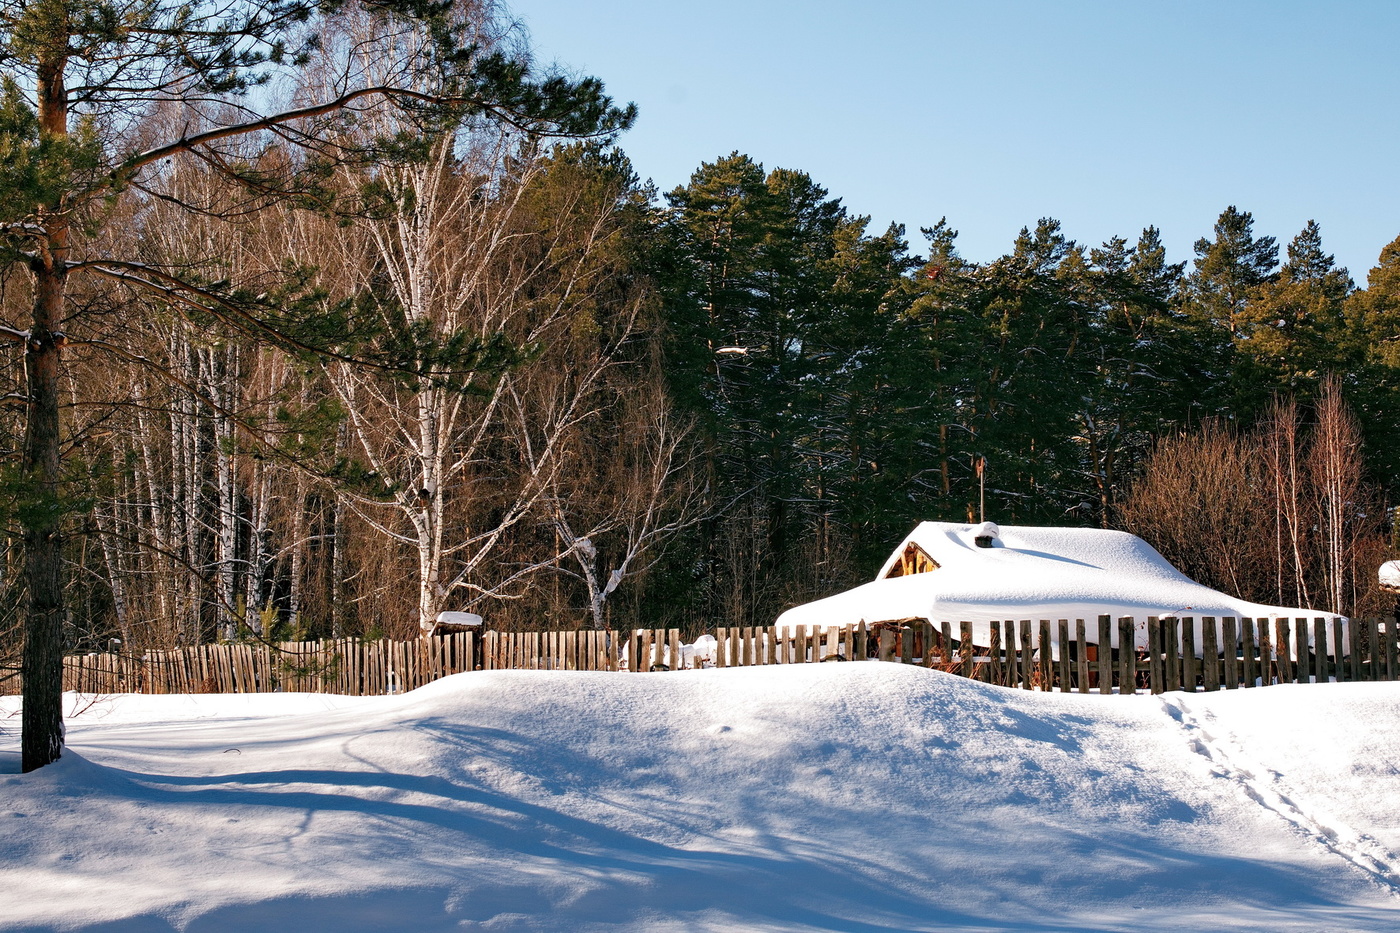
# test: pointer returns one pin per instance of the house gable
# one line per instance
(914, 559)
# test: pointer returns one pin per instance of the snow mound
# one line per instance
(865, 797)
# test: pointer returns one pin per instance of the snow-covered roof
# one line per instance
(1390, 576)
(1027, 573)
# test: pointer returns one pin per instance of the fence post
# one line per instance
(1027, 665)
(1190, 666)
(1210, 655)
(1340, 668)
(1065, 680)
(1105, 655)
(1266, 660)
(1155, 682)
(996, 671)
(1232, 666)
(965, 649)
(1282, 672)
(886, 645)
(1321, 671)
(1127, 656)
(1081, 655)
(1370, 632)
(1047, 667)
(1301, 671)
(1390, 659)
(1171, 660)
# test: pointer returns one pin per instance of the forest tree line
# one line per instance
(490, 369)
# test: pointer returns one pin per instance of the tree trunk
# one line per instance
(42, 720)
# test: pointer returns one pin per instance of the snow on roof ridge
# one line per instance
(1033, 572)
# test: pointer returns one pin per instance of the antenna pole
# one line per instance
(981, 488)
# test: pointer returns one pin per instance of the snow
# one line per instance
(1030, 573)
(860, 796)
(1390, 575)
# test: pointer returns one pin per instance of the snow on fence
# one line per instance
(1234, 653)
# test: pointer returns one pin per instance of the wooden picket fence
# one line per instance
(1234, 653)
(1034, 656)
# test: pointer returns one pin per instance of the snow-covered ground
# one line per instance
(864, 797)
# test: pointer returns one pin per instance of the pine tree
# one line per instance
(86, 85)
(1373, 348)
(769, 283)
(1296, 321)
(1228, 272)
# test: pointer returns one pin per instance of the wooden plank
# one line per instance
(1264, 669)
(1282, 662)
(1302, 670)
(1171, 660)
(1127, 656)
(1063, 646)
(1321, 669)
(1230, 630)
(1025, 664)
(848, 642)
(862, 641)
(1340, 668)
(1190, 664)
(887, 645)
(931, 650)
(1105, 655)
(1390, 659)
(1380, 638)
(906, 644)
(1013, 654)
(1372, 655)
(1024, 656)
(997, 670)
(1354, 642)
(1043, 667)
(1081, 655)
(945, 631)
(965, 651)
(1210, 655)
(1156, 680)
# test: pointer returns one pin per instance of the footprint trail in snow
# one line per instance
(1266, 788)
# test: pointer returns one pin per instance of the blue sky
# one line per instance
(1106, 115)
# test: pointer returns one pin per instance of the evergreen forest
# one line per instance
(447, 351)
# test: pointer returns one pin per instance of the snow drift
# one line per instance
(857, 797)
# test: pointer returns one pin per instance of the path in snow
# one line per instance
(1270, 790)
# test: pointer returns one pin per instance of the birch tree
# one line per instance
(79, 76)
(503, 255)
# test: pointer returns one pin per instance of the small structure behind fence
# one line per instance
(1034, 656)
